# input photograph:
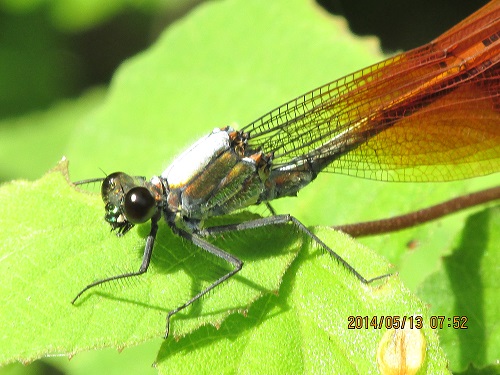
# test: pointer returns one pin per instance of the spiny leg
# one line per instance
(146, 258)
(212, 249)
(285, 219)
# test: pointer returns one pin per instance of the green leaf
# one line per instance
(49, 256)
(304, 328)
(467, 287)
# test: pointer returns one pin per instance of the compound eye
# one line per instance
(110, 185)
(139, 205)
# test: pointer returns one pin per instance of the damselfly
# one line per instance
(431, 114)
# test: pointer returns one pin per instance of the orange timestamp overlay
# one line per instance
(401, 322)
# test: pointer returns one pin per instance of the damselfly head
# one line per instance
(129, 201)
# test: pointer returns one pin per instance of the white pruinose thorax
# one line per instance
(196, 158)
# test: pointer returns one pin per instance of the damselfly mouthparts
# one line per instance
(431, 114)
